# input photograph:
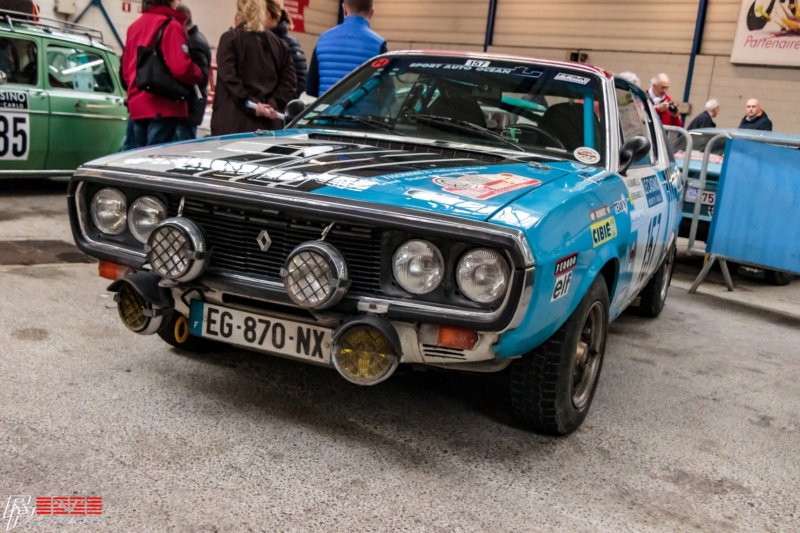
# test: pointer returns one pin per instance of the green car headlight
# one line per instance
(109, 211)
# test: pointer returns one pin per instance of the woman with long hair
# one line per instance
(255, 74)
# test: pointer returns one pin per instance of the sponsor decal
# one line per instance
(561, 287)
(484, 186)
(587, 155)
(476, 63)
(635, 195)
(621, 205)
(632, 183)
(599, 213)
(637, 218)
(566, 264)
(379, 63)
(13, 100)
(572, 78)
(603, 231)
(652, 191)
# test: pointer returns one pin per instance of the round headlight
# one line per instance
(418, 267)
(176, 250)
(482, 275)
(144, 215)
(109, 211)
(315, 275)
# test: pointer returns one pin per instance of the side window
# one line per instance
(635, 120)
(76, 69)
(19, 59)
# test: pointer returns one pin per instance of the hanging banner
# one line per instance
(295, 9)
(768, 33)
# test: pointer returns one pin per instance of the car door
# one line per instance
(24, 106)
(87, 112)
(649, 193)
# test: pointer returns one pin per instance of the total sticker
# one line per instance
(587, 155)
(484, 186)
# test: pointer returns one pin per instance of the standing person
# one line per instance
(755, 117)
(200, 53)
(253, 66)
(155, 117)
(665, 107)
(278, 22)
(344, 47)
(706, 118)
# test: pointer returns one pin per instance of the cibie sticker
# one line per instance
(572, 78)
(587, 155)
(603, 231)
(483, 186)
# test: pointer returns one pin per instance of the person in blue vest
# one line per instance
(343, 48)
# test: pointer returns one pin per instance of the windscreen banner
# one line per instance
(768, 33)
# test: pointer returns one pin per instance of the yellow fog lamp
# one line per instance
(366, 351)
(142, 305)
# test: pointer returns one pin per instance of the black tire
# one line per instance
(544, 393)
(755, 22)
(172, 333)
(654, 294)
(778, 277)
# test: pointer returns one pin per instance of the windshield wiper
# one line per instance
(366, 119)
(464, 125)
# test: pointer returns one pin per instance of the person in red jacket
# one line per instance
(665, 107)
(154, 117)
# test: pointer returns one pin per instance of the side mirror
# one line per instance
(3, 78)
(633, 150)
(294, 108)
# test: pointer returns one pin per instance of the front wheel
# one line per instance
(552, 387)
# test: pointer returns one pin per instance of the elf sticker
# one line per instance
(485, 186)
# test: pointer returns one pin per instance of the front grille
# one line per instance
(431, 351)
(232, 236)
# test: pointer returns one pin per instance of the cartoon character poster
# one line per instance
(768, 33)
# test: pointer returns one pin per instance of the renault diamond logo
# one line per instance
(263, 240)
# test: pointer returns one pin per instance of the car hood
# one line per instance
(446, 178)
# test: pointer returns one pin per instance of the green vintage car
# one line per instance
(61, 100)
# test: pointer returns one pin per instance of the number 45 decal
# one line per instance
(14, 136)
(650, 249)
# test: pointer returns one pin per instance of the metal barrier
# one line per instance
(761, 137)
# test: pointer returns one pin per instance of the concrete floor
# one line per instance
(694, 426)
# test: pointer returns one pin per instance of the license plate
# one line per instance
(260, 332)
(706, 197)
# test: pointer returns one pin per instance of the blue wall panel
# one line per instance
(757, 208)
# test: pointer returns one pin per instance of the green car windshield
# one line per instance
(529, 108)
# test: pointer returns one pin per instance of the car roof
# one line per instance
(759, 134)
(502, 57)
(45, 28)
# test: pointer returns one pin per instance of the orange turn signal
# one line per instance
(457, 338)
(112, 271)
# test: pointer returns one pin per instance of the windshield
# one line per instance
(699, 143)
(529, 108)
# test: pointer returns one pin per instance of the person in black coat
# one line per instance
(200, 52)
(756, 118)
(706, 118)
(278, 22)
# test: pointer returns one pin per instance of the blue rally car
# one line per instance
(462, 211)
